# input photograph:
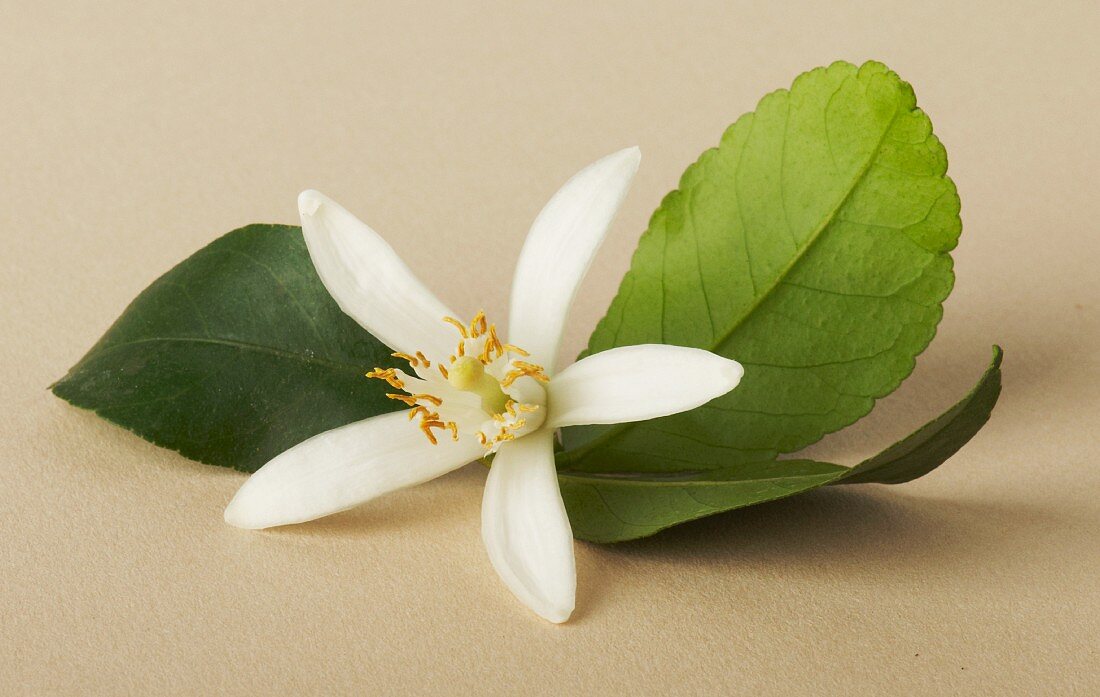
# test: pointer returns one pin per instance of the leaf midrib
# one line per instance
(615, 431)
(233, 343)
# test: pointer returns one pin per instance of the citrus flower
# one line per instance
(470, 393)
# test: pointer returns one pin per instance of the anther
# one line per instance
(411, 359)
(458, 325)
(521, 369)
(389, 375)
(477, 324)
(428, 432)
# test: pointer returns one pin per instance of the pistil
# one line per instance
(468, 374)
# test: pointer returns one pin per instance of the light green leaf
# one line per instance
(233, 356)
(929, 447)
(812, 246)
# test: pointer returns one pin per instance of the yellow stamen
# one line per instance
(477, 324)
(522, 369)
(425, 361)
(442, 369)
(514, 349)
(530, 367)
(458, 325)
(492, 345)
(427, 429)
(454, 430)
(407, 357)
(389, 375)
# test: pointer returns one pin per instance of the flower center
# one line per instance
(481, 366)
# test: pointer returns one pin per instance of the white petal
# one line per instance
(525, 527)
(370, 282)
(633, 383)
(559, 249)
(342, 468)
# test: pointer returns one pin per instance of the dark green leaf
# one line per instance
(812, 246)
(929, 447)
(233, 356)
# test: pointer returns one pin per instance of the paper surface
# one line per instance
(135, 134)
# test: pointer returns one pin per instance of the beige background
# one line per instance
(135, 134)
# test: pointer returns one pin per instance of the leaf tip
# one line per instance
(998, 356)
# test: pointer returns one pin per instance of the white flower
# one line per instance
(470, 393)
